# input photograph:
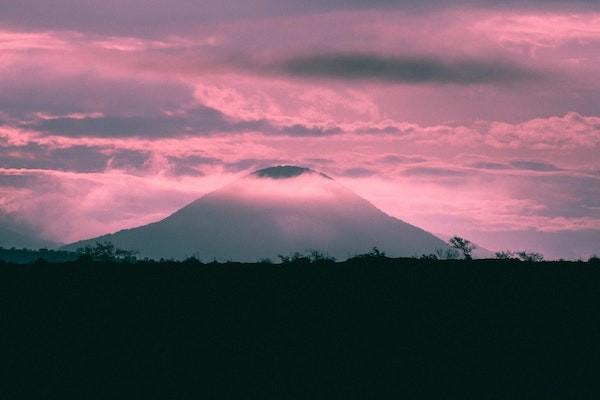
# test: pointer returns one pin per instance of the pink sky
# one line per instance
(470, 119)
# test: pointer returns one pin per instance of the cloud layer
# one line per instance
(403, 70)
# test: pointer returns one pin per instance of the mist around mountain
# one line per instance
(19, 234)
(278, 210)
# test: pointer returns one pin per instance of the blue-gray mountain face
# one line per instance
(15, 233)
(273, 211)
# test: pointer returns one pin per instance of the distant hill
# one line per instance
(28, 256)
(15, 234)
(277, 210)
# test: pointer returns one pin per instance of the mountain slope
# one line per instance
(20, 235)
(273, 211)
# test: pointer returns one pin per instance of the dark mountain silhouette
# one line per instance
(274, 211)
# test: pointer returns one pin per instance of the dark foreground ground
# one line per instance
(367, 329)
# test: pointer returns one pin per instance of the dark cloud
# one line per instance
(199, 120)
(109, 126)
(489, 165)
(525, 165)
(253, 164)
(16, 180)
(358, 172)
(143, 18)
(534, 166)
(134, 17)
(434, 172)
(75, 158)
(361, 66)
(397, 159)
(390, 130)
(302, 130)
(30, 90)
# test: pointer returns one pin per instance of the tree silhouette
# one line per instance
(106, 251)
(463, 245)
(373, 254)
(531, 256)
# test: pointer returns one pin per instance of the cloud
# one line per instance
(139, 18)
(248, 164)
(34, 156)
(69, 206)
(129, 160)
(27, 88)
(400, 159)
(17, 180)
(199, 120)
(534, 166)
(435, 172)
(358, 172)
(560, 132)
(489, 165)
(189, 165)
(413, 70)
(565, 196)
(524, 165)
(17, 232)
(74, 157)
(303, 130)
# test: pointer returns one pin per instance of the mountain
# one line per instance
(277, 210)
(18, 234)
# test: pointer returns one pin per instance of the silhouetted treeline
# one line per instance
(27, 256)
(370, 327)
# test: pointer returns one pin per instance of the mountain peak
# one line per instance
(285, 172)
(276, 210)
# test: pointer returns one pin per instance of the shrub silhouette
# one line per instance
(311, 257)
(530, 256)
(319, 257)
(374, 254)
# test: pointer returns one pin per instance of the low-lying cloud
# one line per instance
(411, 70)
